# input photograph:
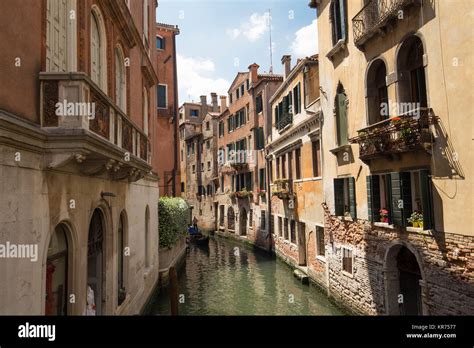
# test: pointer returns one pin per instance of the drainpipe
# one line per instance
(175, 118)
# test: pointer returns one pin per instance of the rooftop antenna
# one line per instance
(271, 43)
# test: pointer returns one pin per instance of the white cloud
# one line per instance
(306, 41)
(252, 29)
(192, 81)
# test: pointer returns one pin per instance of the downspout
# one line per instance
(175, 117)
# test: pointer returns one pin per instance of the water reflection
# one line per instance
(228, 278)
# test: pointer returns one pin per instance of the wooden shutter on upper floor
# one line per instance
(400, 198)
(339, 197)
(352, 198)
(373, 197)
(341, 115)
(426, 199)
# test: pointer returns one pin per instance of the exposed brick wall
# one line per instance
(447, 262)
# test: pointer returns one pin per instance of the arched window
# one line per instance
(121, 245)
(120, 79)
(147, 237)
(411, 73)
(340, 106)
(338, 18)
(57, 273)
(145, 111)
(95, 264)
(98, 49)
(230, 219)
(376, 92)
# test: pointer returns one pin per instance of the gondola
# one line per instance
(196, 237)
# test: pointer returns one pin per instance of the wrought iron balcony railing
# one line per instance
(283, 188)
(409, 132)
(79, 94)
(374, 16)
(285, 120)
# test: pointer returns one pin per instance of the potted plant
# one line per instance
(408, 135)
(261, 193)
(416, 219)
(383, 215)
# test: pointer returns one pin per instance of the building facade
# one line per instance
(78, 207)
(241, 196)
(397, 190)
(167, 141)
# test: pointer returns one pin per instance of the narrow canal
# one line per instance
(229, 278)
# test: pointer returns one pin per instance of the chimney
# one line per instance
(203, 106)
(215, 107)
(286, 61)
(223, 103)
(253, 69)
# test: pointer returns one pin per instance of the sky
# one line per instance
(219, 38)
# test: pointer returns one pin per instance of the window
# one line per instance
(120, 260)
(202, 167)
(270, 170)
(145, 110)
(320, 246)
(272, 223)
(285, 228)
(283, 166)
(250, 218)
(162, 94)
(200, 211)
(147, 238)
(400, 194)
(240, 119)
(311, 85)
(160, 43)
(57, 36)
(221, 215)
(280, 226)
(230, 218)
(221, 129)
(290, 165)
(237, 93)
(278, 167)
(297, 99)
(120, 79)
(263, 222)
(316, 148)
(222, 184)
(341, 116)
(194, 168)
(242, 90)
(208, 144)
(376, 92)
(293, 231)
(338, 14)
(230, 98)
(208, 165)
(262, 179)
(347, 260)
(259, 104)
(345, 197)
(98, 50)
(298, 163)
(182, 186)
(194, 112)
(260, 138)
(248, 84)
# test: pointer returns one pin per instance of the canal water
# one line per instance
(230, 278)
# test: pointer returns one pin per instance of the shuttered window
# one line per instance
(260, 138)
(345, 197)
(297, 99)
(56, 37)
(298, 163)
(320, 249)
(341, 119)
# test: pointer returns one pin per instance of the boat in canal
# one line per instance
(196, 237)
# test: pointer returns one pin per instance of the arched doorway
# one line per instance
(243, 222)
(411, 72)
(230, 219)
(376, 92)
(95, 264)
(57, 273)
(402, 282)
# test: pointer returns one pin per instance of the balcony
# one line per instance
(284, 121)
(92, 127)
(283, 189)
(396, 135)
(375, 16)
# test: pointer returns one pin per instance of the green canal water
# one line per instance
(230, 278)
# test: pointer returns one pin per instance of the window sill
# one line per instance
(384, 224)
(316, 178)
(321, 258)
(345, 218)
(338, 47)
(418, 230)
(336, 150)
(347, 274)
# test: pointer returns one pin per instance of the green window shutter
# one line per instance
(400, 198)
(426, 199)
(352, 198)
(339, 197)
(343, 7)
(373, 197)
(341, 114)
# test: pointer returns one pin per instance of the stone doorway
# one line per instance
(403, 282)
(243, 222)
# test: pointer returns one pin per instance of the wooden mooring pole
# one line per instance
(173, 288)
